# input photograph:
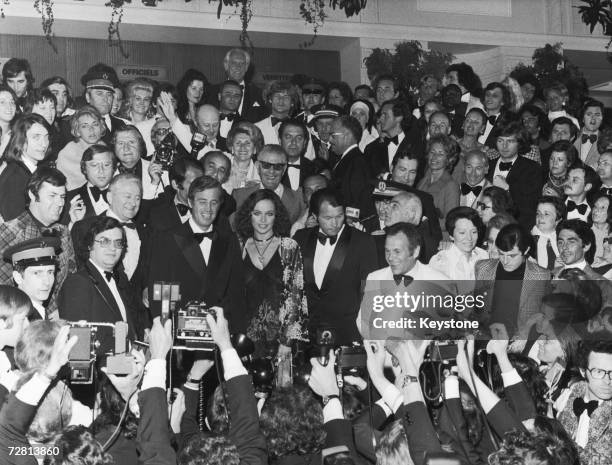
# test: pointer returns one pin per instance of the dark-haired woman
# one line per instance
(276, 302)
(191, 91)
(100, 290)
(28, 147)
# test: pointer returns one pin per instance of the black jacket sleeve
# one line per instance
(153, 434)
(422, 438)
(15, 419)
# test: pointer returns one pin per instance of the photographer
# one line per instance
(244, 443)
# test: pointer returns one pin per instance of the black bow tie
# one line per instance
(199, 237)
(276, 120)
(129, 225)
(108, 275)
(582, 208)
(293, 165)
(96, 192)
(124, 170)
(492, 119)
(399, 278)
(388, 140)
(580, 406)
(230, 117)
(592, 138)
(182, 209)
(466, 189)
(323, 239)
(505, 165)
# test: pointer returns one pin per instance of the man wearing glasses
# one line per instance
(587, 412)
(271, 165)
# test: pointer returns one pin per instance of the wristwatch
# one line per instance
(326, 399)
(409, 379)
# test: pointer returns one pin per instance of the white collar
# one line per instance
(39, 308)
(197, 229)
(581, 265)
(535, 231)
(511, 161)
(466, 97)
(339, 232)
(112, 214)
(100, 270)
(280, 190)
(412, 271)
(348, 150)
(28, 163)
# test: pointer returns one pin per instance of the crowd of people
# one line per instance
(276, 211)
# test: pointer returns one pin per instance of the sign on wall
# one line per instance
(129, 72)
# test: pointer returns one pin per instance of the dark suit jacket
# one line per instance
(336, 304)
(85, 295)
(253, 107)
(292, 200)
(163, 214)
(525, 181)
(350, 176)
(175, 256)
(13, 182)
(307, 169)
(89, 209)
(377, 156)
(153, 434)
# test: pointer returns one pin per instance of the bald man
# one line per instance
(207, 124)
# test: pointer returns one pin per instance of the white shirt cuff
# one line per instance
(192, 386)
(511, 378)
(232, 365)
(32, 391)
(381, 403)
(333, 410)
(451, 387)
(392, 397)
(154, 374)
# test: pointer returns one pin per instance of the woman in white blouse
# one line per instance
(458, 261)
(244, 141)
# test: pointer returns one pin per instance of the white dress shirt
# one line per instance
(541, 246)
(392, 147)
(468, 200)
(585, 148)
(575, 214)
(112, 285)
(456, 265)
(206, 243)
(29, 165)
(39, 308)
(503, 174)
(185, 217)
(294, 174)
(581, 265)
(99, 206)
(322, 257)
(488, 128)
(132, 254)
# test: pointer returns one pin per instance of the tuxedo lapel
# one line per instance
(101, 284)
(337, 260)
(89, 208)
(308, 256)
(190, 250)
(218, 249)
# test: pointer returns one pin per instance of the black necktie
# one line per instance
(402, 278)
(182, 209)
(230, 117)
(323, 239)
(129, 224)
(466, 189)
(108, 275)
(505, 165)
(388, 140)
(571, 206)
(550, 253)
(606, 190)
(96, 192)
(492, 119)
(199, 237)
(580, 406)
(589, 137)
(276, 120)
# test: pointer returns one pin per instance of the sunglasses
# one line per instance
(272, 166)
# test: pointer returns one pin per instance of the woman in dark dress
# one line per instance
(276, 302)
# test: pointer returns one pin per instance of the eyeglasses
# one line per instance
(482, 206)
(106, 243)
(598, 373)
(272, 166)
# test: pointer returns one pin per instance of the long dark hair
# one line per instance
(244, 227)
(182, 104)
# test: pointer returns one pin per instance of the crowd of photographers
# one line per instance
(185, 270)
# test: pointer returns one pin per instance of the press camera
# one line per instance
(166, 152)
(192, 330)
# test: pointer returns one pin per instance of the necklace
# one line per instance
(552, 181)
(261, 253)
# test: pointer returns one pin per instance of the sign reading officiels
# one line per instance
(129, 72)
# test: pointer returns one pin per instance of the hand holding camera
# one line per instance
(219, 328)
(323, 377)
(60, 352)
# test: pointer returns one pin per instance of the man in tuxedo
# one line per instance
(516, 174)
(207, 122)
(230, 96)
(271, 165)
(581, 181)
(202, 255)
(282, 99)
(496, 97)
(604, 171)
(394, 114)
(586, 143)
(576, 243)
(129, 149)
(99, 81)
(34, 264)
(476, 165)
(236, 64)
(336, 258)
(294, 140)
(350, 174)
(46, 191)
(172, 207)
(98, 165)
(218, 165)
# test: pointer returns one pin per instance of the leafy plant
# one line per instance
(596, 12)
(45, 9)
(114, 36)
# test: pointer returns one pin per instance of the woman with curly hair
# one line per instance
(292, 422)
(191, 92)
(276, 301)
